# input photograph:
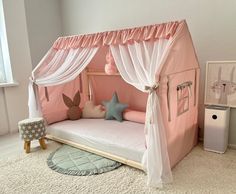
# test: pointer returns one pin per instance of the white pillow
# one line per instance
(92, 111)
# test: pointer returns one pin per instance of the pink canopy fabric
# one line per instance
(146, 33)
(150, 68)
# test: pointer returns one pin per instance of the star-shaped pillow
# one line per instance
(114, 108)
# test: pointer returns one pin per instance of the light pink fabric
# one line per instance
(104, 86)
(62, 66)
(109, 58)
(55, 110)
(110, 67)
(152, 32)
(182, 131)
(180, 50)
(57, 67)
(135, 116)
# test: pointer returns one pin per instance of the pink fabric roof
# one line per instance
(165, 30)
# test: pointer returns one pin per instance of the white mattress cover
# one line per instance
(125, 139)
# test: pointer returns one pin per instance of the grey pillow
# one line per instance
(114, 109)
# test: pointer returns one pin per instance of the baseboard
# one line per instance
(200, 139)
(4, 133)
(232, 146)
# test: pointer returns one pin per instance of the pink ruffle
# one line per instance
(165, 30)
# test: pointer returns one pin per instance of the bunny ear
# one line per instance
(76, 99)
(68, 102)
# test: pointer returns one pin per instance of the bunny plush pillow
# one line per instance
(74, 112)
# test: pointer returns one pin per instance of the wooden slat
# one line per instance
(94, 73)
(85, 83)
(98, 152)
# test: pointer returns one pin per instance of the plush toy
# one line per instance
(74, 112)
(92, 111)
(114, 109)
(110, 67)
(109, 58)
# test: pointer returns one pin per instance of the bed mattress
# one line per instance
(125, 139)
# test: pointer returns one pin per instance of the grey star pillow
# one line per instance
(114, 109)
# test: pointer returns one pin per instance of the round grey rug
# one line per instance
(76, 162)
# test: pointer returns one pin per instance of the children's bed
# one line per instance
(104, 135)
(158, 74)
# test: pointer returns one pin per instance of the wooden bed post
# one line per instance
(85, 75)
(85, 85)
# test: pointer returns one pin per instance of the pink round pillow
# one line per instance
(110, 69)
(135, 116)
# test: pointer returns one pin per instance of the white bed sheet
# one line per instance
(125, 139)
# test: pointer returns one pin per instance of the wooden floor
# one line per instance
(12, 144)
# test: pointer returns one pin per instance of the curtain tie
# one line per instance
(31, 79)
(34, 87)
(153, 88)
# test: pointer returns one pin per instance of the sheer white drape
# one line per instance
(61, 66)
(138, 64)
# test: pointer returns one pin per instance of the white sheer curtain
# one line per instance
(57, 67)
(138, 64)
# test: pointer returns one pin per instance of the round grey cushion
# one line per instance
(73, 161)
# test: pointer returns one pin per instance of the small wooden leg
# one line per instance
(27, 147)
(42, 143)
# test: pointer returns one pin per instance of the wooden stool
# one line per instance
(31, 129)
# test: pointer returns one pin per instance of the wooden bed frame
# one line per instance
(98, 152)
(85, 84)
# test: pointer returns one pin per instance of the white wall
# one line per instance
(32, 26)
(44, 26)
(211, 23)
(13, 100)
(3, 116)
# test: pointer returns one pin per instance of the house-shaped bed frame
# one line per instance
(158, 73)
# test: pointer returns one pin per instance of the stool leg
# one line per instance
(42, 143)
(27, 147)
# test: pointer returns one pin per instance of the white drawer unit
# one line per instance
(216, 128)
